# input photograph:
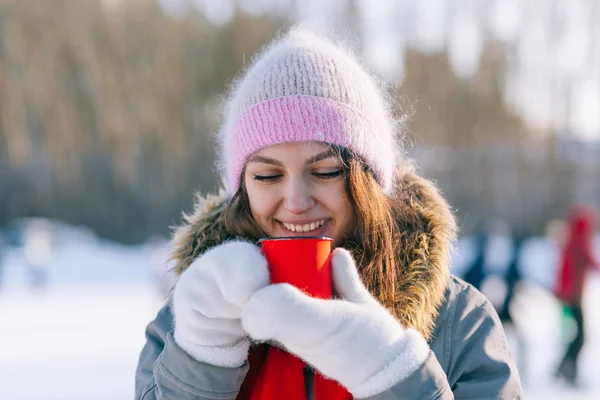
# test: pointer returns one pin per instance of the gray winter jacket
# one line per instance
(469, 358)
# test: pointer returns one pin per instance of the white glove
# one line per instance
(209, 298)
(355, 341)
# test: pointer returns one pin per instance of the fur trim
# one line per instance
(428, 230)
(203, 229)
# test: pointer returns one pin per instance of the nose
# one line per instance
(298, 196)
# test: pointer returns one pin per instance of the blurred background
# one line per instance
(107, 115)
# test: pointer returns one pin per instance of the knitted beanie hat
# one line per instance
(300, 88)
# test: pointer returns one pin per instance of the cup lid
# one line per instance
(293, 238)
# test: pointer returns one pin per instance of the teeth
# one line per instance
(304, 228)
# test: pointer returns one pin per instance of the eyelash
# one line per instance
(269, 178)
(323, 176)
(328, 175)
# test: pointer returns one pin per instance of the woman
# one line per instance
(308, 148)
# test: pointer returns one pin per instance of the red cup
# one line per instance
(303, 262)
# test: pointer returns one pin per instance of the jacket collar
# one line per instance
(428, 230)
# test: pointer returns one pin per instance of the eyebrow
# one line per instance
(316, 158)
(322, 156)
(265, 160)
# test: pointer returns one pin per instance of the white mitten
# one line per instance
(209, 298)
(354, 341)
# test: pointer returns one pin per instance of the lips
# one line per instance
(305, 227)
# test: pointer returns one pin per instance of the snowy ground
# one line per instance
(79, 338)
(74, 343)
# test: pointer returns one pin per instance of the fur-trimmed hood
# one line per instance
(428, 230)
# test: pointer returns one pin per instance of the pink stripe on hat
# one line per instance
(303, 118)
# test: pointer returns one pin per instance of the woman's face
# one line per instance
(299, 189)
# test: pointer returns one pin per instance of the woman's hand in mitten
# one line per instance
(354, 341)
(209, 298)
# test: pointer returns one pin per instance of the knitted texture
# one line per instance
(301, 88)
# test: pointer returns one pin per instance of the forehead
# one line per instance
(287, 151)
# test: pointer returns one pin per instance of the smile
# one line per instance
(304, 227)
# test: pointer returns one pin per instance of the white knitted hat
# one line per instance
(303, 87)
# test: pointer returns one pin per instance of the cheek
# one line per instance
(338, 203)
(261, 201)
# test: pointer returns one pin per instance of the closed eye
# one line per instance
(267, 178)
(328, 175)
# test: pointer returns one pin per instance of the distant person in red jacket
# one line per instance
(577, 259)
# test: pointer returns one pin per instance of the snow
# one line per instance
(73, 343)
(79, 337)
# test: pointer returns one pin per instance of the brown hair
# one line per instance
(372, 241)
